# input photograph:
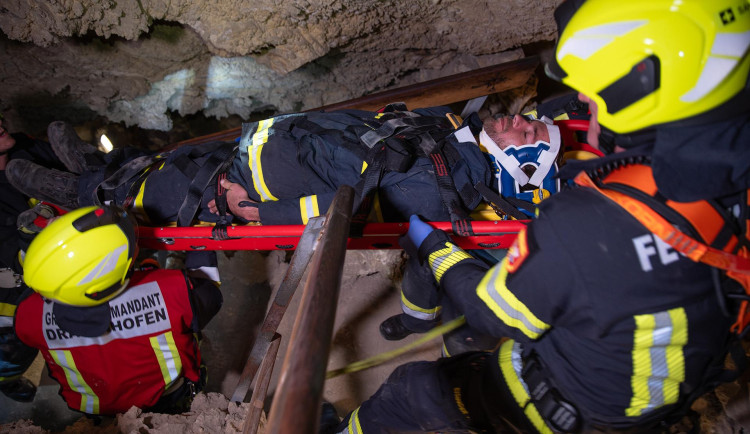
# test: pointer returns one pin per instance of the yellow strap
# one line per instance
(388, 355)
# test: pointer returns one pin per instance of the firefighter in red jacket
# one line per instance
(112, 337)
(611, 326)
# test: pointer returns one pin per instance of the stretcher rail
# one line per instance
(498, 234)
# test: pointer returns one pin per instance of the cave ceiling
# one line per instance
(139, 62)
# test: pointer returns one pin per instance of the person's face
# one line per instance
(515, 131)
(6, 140)
(592, 135)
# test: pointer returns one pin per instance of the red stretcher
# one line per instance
(497, 234)
(489, 234)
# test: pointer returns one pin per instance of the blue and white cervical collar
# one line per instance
(512, 180)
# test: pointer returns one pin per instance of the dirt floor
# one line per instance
(369, 294)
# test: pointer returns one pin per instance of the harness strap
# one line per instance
(124, 174)
(218, 161)
(390, 127)
(498, 203)
(460, 220)
(737, 266)
(365, 189)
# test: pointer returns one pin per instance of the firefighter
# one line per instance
(15, 357)
(113, 337)
(609, 325)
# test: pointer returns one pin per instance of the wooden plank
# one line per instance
(296, 403)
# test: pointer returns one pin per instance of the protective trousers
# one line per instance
(443, 395)
(423, 304)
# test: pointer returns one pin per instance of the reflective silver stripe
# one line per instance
(353, 427)
(104, 266)
(169, 357)
(89, 400)
(443, 259)
(425, 315)
(511, 314)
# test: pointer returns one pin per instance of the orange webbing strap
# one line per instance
(737, 266)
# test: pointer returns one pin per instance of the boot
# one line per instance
(48, 185)
(402, 325)
(74, 153)
(21, 390)
(329, 419)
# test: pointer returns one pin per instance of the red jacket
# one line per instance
(149, 346)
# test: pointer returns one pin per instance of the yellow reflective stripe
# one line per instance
(658, 360)
(412, 309)
(89, 400)
(354, 426)
(506, 306)
(308, 208)
(511, 365)
(138, 207)
(253, 154)
(169, 358)
(7, 309)
(442, 260)
(12, 377)
(364, 166)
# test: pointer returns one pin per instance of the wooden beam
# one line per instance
(296, 403)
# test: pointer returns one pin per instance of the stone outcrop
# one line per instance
(140, 61)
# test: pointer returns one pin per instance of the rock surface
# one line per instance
(139, 61)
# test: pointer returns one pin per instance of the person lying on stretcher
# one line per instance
(286, 169)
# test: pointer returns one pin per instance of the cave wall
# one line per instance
(138, 62)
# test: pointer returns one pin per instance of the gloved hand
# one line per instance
(33, 220)
(418, 230)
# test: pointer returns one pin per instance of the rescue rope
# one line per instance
(388, 355)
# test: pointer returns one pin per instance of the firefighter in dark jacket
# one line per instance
(15, 357)
(610, 325)
(113, 337)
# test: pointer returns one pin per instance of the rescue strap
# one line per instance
(737, 266)
(381, 358)
(501, 205)
(394, 149)
(218, 161)
(219, 231)
(138, 167)
(556, 411)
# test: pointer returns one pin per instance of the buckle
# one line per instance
(558, 413)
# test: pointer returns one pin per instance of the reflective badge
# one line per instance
(517, 252)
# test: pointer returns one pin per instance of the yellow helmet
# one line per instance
(649, 62)
(83, 258)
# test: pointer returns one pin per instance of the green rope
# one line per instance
(388, 355)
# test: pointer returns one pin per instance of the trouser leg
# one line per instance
(420, 296)
(464, 339)
(426, 396)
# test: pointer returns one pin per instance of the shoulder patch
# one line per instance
(517, 252)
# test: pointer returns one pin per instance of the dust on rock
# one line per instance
(210, 412)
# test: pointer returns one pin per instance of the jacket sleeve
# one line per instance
(294, 211)
(517, 298)
(203, 278)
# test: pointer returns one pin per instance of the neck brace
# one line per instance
(544, 158)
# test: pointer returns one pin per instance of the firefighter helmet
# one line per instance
(83, 258)
(650, 62)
